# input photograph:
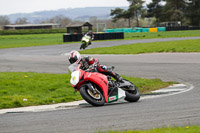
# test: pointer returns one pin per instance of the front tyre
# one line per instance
(83, 45)
(93, 99)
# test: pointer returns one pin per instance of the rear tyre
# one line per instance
(132, 95)
(93, 99)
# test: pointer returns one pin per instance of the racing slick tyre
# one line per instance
(96, 99)
(132, 95)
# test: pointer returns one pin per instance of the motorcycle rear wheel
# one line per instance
(95, 100)
(132, 95)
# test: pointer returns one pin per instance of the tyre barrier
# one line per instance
(97, 36)
(177, 28)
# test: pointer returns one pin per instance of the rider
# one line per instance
(91, 35)
(75, 57)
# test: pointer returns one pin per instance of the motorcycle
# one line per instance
(86, 41)
(98, 89)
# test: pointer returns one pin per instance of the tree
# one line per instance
(174, 10)
(155, 10)
(136, 9)
(119, 13)
(193, 12)
(21, 21)
(127, 14)
(4, 20)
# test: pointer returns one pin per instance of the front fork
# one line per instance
(90, 87)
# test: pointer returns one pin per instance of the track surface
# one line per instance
(177, 110)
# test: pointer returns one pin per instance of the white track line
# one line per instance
(164, 95)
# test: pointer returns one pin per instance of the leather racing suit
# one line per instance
(87, 61)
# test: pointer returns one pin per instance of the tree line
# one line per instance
(60, 19)
(64, 21)
(187, 12)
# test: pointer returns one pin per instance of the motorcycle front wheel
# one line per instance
(96, 99)
(83, 45)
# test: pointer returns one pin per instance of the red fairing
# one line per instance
(100, 80)
(97, 78)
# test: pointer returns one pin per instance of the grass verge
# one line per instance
(187, 129)
(13, 41)
(19, 89)
(164, 34)
(171, 46)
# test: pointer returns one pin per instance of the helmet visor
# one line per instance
(73, 60)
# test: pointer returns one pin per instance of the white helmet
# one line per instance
(74, 57)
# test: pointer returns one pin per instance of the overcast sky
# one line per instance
(26, 6)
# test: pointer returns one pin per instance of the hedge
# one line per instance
(31, 31)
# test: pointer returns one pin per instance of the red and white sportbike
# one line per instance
(98, 89)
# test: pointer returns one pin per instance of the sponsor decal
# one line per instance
(74, 78)
(112, 98)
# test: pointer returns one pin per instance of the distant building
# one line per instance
(30, 26)
(74, 28)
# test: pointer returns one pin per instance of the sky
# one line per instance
(27, 6)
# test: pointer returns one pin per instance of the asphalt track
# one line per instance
(175, 110)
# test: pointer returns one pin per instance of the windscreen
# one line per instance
(73, 67)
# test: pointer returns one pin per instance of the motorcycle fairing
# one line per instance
(126, 85)
(100, 80)
(116, 94)
(74, 78)
(86, 39)
(113, 95)
(121, 93)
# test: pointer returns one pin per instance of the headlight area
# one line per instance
(74, 78)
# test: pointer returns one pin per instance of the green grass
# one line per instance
(13, 41)
(171, 46)
(19, 89)
(147, 85)
(164, 34)
(31, 31)
(37, 88)
(186, 129)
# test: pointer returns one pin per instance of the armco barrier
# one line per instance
(97, 36)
